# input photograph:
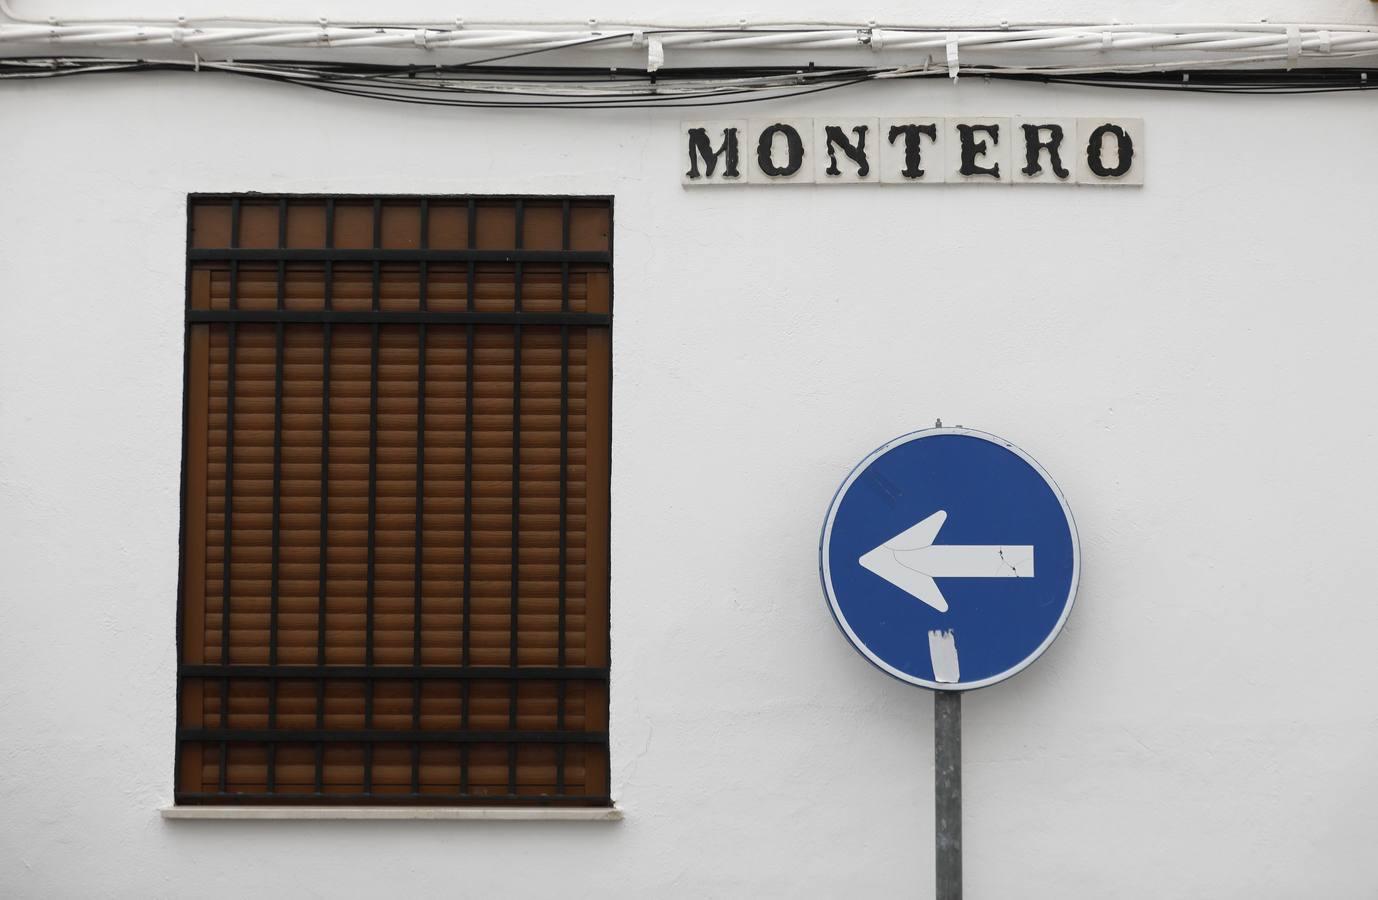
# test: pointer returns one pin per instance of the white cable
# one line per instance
(8, 12)
(1017, 37)
(1291, 42)
(1115, 47)
(1292, 39)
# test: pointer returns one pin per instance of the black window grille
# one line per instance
(395, 501)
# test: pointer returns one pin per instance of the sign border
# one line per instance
(825, 575)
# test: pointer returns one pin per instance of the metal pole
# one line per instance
(947, 792)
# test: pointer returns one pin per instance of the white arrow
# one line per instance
(910, 561)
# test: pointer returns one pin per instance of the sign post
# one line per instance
(947, 793)
(949, 560)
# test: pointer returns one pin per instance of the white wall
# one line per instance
(1193, 361)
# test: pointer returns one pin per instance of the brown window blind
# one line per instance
(394, 580)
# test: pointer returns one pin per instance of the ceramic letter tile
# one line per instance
(990, 141)
(712, 144)
(787, 148)
(1054, 144)
(855, 153)
(1117, 139)
(931, 139)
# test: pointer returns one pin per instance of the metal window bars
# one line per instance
(230, 747)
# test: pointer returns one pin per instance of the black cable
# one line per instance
(409, 86)
(638, 103)
(445, 85)
(402, 90)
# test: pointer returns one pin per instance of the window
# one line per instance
(394, 583)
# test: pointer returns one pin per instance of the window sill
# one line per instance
(413, 813)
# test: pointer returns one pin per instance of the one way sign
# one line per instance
(928, 559)
(910, 561)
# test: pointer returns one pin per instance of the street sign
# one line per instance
(949, 559)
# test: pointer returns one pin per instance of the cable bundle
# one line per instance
(1214, 58)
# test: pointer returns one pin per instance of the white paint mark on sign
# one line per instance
(942, 650)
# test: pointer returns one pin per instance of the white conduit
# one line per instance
(1116, 44)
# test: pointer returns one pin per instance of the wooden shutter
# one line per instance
(397, 436)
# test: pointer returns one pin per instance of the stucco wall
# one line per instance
(1193, 361)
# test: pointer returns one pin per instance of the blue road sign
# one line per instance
(949, 559)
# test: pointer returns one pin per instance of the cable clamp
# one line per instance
(952, 64)
(1293, 45)
(421, 39)
(638, 39)
(877, 38)
(1325, 41)
(655, 55)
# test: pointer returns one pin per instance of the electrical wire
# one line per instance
(534, 87)
(503, 69)
(1283, 42)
